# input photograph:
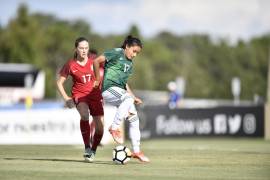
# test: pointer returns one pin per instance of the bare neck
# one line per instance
(82, 61)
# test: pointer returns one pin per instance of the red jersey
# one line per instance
(83, 79)
(101, 69)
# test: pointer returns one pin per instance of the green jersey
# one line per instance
(117, 69)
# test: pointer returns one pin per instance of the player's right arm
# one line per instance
(100, 59)
(60, 86)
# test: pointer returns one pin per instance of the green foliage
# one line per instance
(208, 66)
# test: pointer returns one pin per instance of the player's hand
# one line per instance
(137, 101)
(96, 84)
(70, 103)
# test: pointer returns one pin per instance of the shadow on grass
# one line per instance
(60, 160)
(68, 160)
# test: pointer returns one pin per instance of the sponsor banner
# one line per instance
(235, 121)
(47, 126)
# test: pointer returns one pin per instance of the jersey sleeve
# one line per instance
(65, 71)
(112, 54)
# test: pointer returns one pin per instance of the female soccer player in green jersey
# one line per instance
(115, 91)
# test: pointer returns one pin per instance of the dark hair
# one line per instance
(92, 53)
(131, 41)
(76, 44)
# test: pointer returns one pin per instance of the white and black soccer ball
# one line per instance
(121, 154)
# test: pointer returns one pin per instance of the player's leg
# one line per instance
(121, 99)
(92, 131)
(98, 132)
(97, 112)
(126, 110)
(82, 108)
(135, 134)
(122, 110)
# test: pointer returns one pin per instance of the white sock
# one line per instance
(134, 133)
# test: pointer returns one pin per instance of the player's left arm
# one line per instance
(136, 99)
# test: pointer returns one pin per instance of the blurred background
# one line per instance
(204, 64)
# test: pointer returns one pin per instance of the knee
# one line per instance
(85, 116)
(132, 111)
(133, 119)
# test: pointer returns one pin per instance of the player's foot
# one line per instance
(117, 136)
(140, 156)
(89, 155)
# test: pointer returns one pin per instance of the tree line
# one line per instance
(207, 65)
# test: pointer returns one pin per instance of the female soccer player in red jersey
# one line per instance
(85, 96)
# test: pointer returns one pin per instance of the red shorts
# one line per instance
(95, 106)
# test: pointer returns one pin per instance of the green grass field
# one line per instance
(170, 159)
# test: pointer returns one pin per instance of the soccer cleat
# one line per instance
(140, 156)
(89, 155)
(116, 134)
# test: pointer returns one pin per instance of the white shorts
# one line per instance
(115, 95)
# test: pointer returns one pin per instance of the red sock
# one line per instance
(85, 130)
(92, 132)
(92, 128)
(96, 140)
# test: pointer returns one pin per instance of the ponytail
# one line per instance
(131, 41)
(75, 55)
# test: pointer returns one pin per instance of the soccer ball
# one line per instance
(121, 154)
